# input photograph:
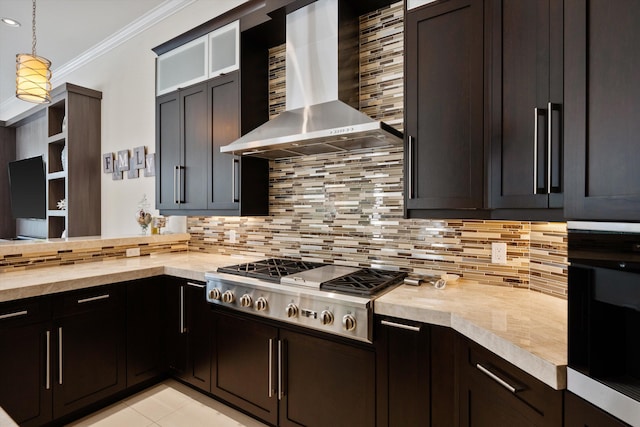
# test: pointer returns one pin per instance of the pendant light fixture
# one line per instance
(33, 74)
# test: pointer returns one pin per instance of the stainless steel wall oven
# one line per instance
(604, 318)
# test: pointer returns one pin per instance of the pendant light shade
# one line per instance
(33, 78)
(33, 73)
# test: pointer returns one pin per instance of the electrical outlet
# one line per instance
(133, 252)
(232, 236)
(499, 253)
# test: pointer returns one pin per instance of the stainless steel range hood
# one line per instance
(322, 83)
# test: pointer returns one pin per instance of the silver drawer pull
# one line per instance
(195, 285)
(497, 379)
(16, 314)
(400, 325)
(82, 301)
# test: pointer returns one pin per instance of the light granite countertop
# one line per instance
(526, 328)
(49, 280)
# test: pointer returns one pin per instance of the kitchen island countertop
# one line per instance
(526, 328)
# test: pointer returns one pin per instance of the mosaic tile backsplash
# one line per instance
(348, 208)
(18, 260)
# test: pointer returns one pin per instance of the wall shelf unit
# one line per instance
(73, 131)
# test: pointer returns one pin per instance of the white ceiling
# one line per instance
(65, 29)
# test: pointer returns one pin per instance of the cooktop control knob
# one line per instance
(326, 317)
(261, 304)
(215, 294)
(292, 310)
(245, 300)
(228, 297)
(349, 322)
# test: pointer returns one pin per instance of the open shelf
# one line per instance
(56, 226)
(54, 163)
(56, 114)
(56, 192)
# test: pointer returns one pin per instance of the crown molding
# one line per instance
(13, 106)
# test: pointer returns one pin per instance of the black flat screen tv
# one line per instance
(28, 188)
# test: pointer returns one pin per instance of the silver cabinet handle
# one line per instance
(279, 369)
(400, 325)
(549, 137)
(196, 285)
(60, 355)
(182, 330)
(410, 166)
(175, 186)
(82, 301)
(235, 163)
(270, 367)
(16, 314)
(497, 379)
(48, 362)
(550, 188)
(536, 115)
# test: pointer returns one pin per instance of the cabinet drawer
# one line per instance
(24, 312)
(500, 377)
(91, 299)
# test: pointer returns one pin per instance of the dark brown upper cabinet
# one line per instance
(444, 147)
(525, 113)
(602, 111)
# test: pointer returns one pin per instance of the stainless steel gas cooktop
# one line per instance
(325, 297)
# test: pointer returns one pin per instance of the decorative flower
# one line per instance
(62, 204)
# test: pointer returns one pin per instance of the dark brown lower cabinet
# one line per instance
(90, 356)
(495, 393)
(188, 333)
(290, 378)
(25, 345)
(326, 383)
(416, 379)
(145, 330)
(244, 368)
(580, 413)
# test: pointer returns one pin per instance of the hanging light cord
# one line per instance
(33, 29)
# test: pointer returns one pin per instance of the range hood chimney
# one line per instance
(322, 91)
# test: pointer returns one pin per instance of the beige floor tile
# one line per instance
(158, 401)
(117, 415)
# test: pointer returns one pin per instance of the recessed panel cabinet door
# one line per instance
(602, 109)
(326, 383)
(224, 101)
(90, 348)
(444, 154)
(167, 150)
(526, 99)
(25, 377)
(244, 365)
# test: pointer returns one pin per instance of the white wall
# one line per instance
(126, 77)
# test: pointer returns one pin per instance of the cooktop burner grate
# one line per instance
(367, 281)
(270, 269)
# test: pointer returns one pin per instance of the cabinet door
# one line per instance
(580, 413)
(224, 110)
(326, 383)
(90, 338)
(526, 78)
(25, 377)
(602, 64)
(194, 134)
(244, 365)
(444, 106)
(198, 330)
(403, 381)
(175, 329)
(168, 151)
(145, 330)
